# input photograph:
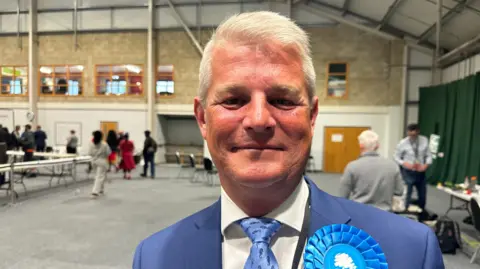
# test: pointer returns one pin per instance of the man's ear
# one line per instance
(199, 111)
(314, 112)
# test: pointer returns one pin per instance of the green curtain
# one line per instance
(452, 111)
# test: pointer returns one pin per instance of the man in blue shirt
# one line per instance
(414, 156)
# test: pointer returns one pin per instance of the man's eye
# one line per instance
(233, 102)
(282, 102)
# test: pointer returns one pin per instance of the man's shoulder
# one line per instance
(369, 160)
(404, 140)
(422, 137)
(166, 238)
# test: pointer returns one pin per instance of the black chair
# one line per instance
(475, 210)
(210, 170)
(183, 166)
(197, 170)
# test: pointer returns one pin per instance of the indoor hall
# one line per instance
(91, 77)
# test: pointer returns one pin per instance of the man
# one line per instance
(72, 143)
(414, 156)
(371, 179)
(16, 137)
(4, 136)
(27, 140)
(256, 109)
(40, 137)
(149, 149)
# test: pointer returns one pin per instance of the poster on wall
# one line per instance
(62, 132)
(337, 138)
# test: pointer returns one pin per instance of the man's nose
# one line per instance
(259, 118)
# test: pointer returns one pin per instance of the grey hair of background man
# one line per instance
(259, 27)
(369, 140)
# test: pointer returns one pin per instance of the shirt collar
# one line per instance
(370, 153)
(291, 212)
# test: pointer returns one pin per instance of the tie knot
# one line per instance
(260, 230)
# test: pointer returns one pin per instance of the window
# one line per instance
(337, 80)
(63, 80)
(13, 80)
(165, 84)
(117, 80)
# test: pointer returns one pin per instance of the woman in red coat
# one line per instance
(126, 148)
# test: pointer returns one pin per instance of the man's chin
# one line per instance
(259, 181)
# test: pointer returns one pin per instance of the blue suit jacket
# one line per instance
(196, 242)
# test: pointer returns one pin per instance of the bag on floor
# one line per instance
(448, 235)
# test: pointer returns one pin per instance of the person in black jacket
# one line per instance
(40, 138)
(149, 149)
(112, 141)
(4, 136)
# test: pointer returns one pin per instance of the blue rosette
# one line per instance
(341, 246)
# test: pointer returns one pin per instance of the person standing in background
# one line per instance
(16, 137)
(371, 179)
(99, 152)
(5, 136)
(149, 150)
(10, 140)
(126, 151)
(40, 139)
(27, 141)
(414, 156)
(112, 141)
(72, 143)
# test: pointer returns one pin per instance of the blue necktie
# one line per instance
(260, 231)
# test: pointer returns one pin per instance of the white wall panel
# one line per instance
(255, 7)
(92, 20)
(461, 69)
(8, 5)
(133, 122)
(417, 79)
(46, 4)
(57, 21)
(96, 3)
(130, 18)
(418, 58)
(166, 18)
(412, 114)
(7, 118)
(304, 17)
(214, 15)
(280, 8)
(8, 23)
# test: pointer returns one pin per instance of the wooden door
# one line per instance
(106, 126)
(340, 147)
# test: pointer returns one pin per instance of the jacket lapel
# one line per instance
(324, 210)
(204, 247)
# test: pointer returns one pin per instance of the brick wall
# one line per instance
(375, 72)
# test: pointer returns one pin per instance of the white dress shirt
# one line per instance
(236, 244)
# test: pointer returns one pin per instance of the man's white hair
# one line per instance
(369, 140)
(259, 27)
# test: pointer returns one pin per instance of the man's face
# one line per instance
(413, 133)
(257, 120)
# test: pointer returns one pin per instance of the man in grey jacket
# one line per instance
(371, 179)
